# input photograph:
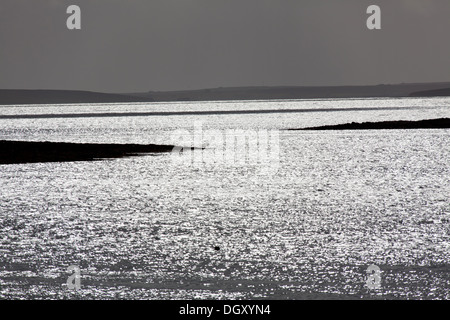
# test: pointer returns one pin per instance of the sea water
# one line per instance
(151, 228)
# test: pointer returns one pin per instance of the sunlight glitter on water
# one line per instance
(146, 228)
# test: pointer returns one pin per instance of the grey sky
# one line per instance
(141, 45)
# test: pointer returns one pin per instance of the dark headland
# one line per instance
(441, 123)
(31, 152)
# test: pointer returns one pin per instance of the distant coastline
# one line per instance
(11, 97)
(298, 92)
(432, 93)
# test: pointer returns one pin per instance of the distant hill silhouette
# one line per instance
(8, 97)
(263, 93)
(432, 93)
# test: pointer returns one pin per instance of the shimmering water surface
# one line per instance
(149, 227)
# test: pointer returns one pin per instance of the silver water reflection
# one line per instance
(146, 228)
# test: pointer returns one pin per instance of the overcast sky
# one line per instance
(142, 45)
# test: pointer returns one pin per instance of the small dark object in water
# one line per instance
(217, 248)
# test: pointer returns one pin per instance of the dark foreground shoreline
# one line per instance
(441, 123)
(31, 152)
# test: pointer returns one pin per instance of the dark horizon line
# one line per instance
(292, 87)
(235, 87)
(59, 96)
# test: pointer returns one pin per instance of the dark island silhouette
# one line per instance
(31, 152)
(441, 123)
